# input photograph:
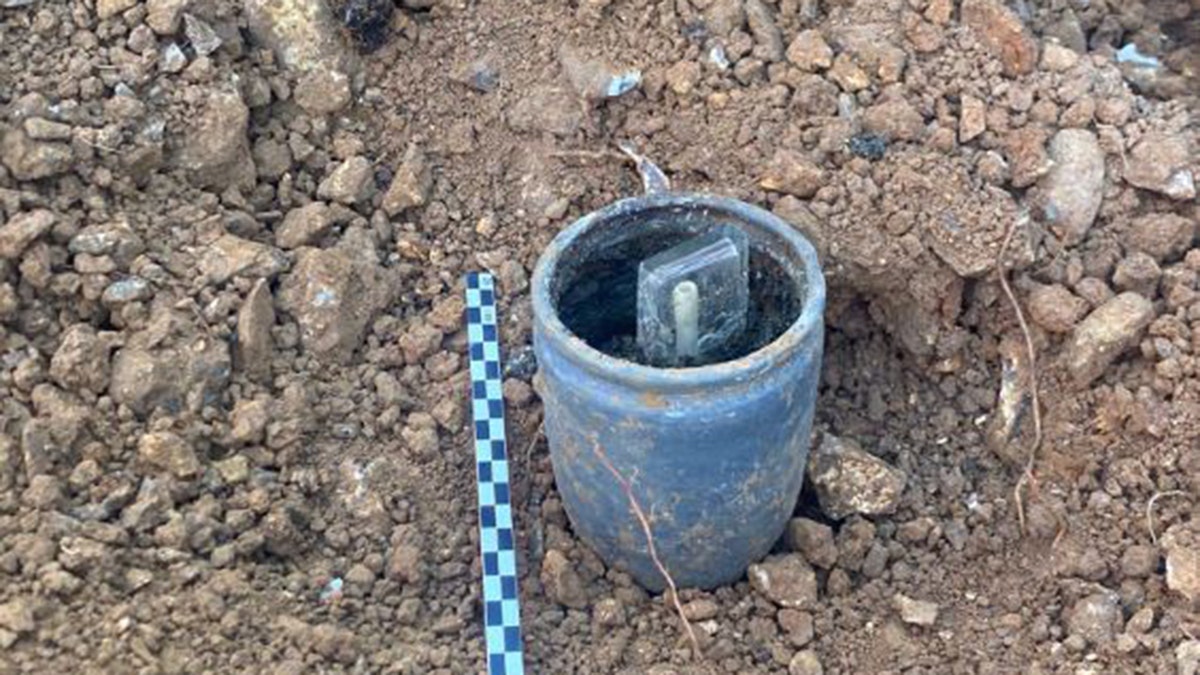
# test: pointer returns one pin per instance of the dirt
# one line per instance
(233, 425)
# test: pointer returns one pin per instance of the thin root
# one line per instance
(636, 508)
(1150, 509)
(1026, 476)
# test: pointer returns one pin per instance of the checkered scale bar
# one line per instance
(502, 618)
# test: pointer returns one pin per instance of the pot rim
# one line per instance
(623, 371)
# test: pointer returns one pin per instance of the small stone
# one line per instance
(282, 531)
(1057, 58)
(107, 9)
(200, 35)
(1056, 309)
(1182, 546)
(168, 451)
(172, 59)
(1139, 273)
(163, 16)
(683, 77)
(1105, 334)
(798, 626)
(846, 74)
(805, 662)
(234, 470)
(216, 150)
(812, 539)
(304, 34)
(405, 564)
(895, 120)
(1025, 149)
(809, 51)
(701, 610)
(849, 480)
(231, 256)
(411, 185)
(725, 16)
(918, 612)
(793, 173)
(123, 291)
(1161, 235)
(610, 613)
(334, 294)
(768, 38)
(323, 91)
(972, 119)
(1141, 622)
(1074, 187)
(40, 129)
(351, 182)
(32, 160)
(305, 225)
(1161, 163)
(787, 580)
(1095, 618)
(255, 346)
(1003, 32)
(44, 492)
(1138, 562)
(249, 420)
(22, 230)
(16, 615)
(1187, 657)
(562, 582)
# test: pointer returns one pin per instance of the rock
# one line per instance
(115, 239)
(1181, 544)
(255, 346)
(1057, 58)
(163, 16)
(1056, 309)
(1160, 163)
(130, 289)
(46, 130)
(1161, 235)
(798, 626)
(793, 173)
(22, 230)
(405, 564)
(849, 480)
(1096, 618)
(411, 184)
(305, 225)
(188, 376)
(918, 612)
(107, 9)
(683, 77)
(1139, 273)
(249, 420)
(1138, 562)
(1003, 33)
(847, 74)
(1074, 187)
(1105, 334)
(200, 35)
(1187, 657)
(812, 539)
(44, 492)
(787, 580)
(323, 92)
(216, 151)
(82, 359)
(725, 16)
(702, 609)
(335, 293)
(1025, 149)
(972, 119)
(16, 615)
(283, 531)
(167, 451)
(32, 160)
(231, 256)
(304, 34)
(895, 120)
(809, 51)
(351, 182)
(335, 643)
(805, 662)
(562, 582)
(766, 33)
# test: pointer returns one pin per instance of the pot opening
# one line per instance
(594, 286)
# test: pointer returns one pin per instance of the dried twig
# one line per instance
(1002, 271)
(1150, 509)
(638, 513)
